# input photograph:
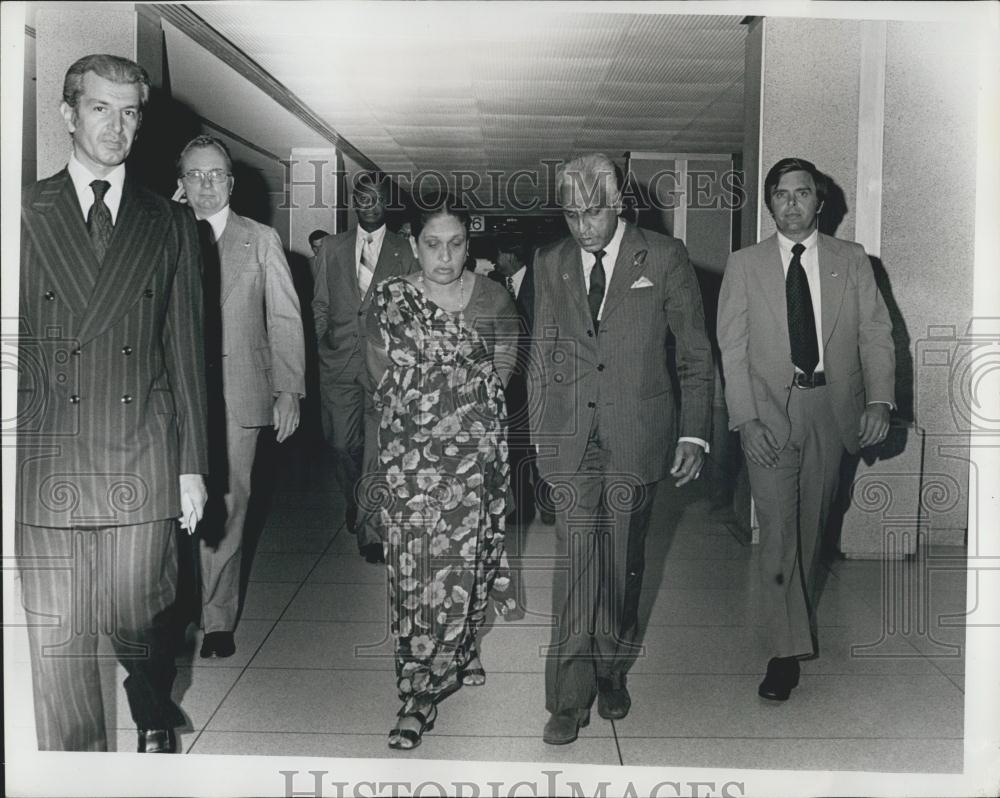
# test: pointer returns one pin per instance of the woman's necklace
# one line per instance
(461, 293)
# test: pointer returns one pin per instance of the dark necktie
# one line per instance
(801, 321)
(510, 287)
(595, 295)
(99, 223)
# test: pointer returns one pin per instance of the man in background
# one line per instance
(348, 268)
(256, 365)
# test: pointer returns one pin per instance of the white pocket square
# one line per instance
(642, 282)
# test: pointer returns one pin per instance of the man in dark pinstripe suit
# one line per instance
(604, 421)
(111, 418)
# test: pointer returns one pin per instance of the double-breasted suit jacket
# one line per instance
(262, 342)
(620, 372)
(858, 356)
(339, 310)
(111, 384)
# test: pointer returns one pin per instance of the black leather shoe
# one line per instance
(372, 552)
(218, 644)
(564, 727)
(782, 675)
(351, 519)
(157, 741)
(613, 700)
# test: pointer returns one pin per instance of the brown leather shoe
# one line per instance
(157, 741)
(564, 727)
(613, 700)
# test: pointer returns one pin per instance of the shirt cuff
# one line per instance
(890, 405)
(699, 441)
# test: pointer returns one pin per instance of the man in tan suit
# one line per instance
(347, 269)
(607, 428)
(809, 367)
(255, 358)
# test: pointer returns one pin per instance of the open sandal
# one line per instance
(406, 739)
(472, 674)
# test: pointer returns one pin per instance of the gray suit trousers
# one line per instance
(601, 524)
(793, 503)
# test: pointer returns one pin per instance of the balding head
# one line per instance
(588, 190)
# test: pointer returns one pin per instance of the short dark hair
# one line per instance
(110, 67)
(202, 142)
(430, 207)
(786, 165)
(316, 235)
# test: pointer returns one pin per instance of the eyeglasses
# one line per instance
(199, 175)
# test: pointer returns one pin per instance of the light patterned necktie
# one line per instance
(510, 287)
(366, 269)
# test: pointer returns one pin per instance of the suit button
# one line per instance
(126, 350)
(126, 399)
(600, 367)
(50, 295)
(591, 404)
(361, 313)
(147, 293)
(74, 400)
(590, 333)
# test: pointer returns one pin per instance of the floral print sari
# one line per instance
(443, 463)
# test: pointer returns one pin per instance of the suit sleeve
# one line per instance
(183, 346)
(284, 321)
(878, 355)
(694, 353)
(535, 359)
(733, 332)
(321, 289)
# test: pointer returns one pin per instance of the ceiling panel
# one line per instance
(502, 86)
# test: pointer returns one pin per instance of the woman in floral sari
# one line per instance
(441, 345)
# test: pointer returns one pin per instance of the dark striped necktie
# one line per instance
(99, 223)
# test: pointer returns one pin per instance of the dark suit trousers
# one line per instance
(350, 425)
(792, 502)
(601, 523)
(76, 585)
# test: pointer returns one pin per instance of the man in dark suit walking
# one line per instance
(111, 418)
(809, 365)
(348, 267)
(604, 421)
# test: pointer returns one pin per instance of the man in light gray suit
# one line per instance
(347, 269)
(255, 350)
(606, 426)
(809, 365)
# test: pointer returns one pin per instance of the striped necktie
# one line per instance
(366, 269)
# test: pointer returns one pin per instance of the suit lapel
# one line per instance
(60, 234)
(349, 273)
(772, 279)
(832, 283)
(134, 252)
(235, 247)
(628, 267)
(387, 265)
(571, 276)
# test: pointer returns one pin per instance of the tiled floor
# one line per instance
(313, 670)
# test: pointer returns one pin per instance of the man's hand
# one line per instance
(286, 414)
(759, 443)
(687, 462)
(874, 424)
(193, 498)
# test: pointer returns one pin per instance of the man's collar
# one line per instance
(82, 177)
(218, 222)
(375, 234)
(786, 243)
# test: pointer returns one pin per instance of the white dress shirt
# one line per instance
(378, 236)
(810, 264)
(518, 277)
(218, 221)
(608, 262)
(82, 178)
